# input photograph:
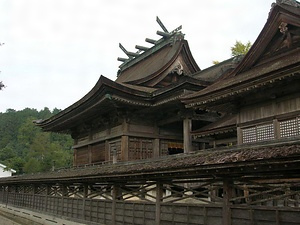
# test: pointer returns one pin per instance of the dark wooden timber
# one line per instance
(167, 143)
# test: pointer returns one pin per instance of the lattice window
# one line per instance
(249, 135)
(258, 133)
(290, 128)
(265, 132)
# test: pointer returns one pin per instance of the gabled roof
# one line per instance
(262, 64)
(151, 67)
(157, 76)
(283, 22)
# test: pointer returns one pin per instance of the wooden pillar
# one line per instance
(7, 194)
(90, 154)
(115, 192)
(156, 148)
(227, 195)
(34, 191)
(124, 148)
(74, 157)
(276, 129)
(159, 196)
(239, 136)
(239, 130)
(107, 158)
(48, 192)
(64, 193)
(85, 195)
(187, 139)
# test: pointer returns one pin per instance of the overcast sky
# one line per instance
(55, 50)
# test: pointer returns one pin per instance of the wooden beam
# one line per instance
(227, 195)
(159, 196)
(169, 120)
(156, 148)
(114, 203)
(208, 117)
(124, 148)
(187, 138)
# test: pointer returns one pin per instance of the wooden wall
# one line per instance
(129, 141)
(269, 109)
(270, 120)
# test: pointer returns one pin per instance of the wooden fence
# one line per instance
(181, 202)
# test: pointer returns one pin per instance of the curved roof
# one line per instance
(272, 57)
(156, 63)
(108, 95)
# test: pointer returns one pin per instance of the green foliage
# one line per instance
(215, 62)
(25, 148)
(240, 49)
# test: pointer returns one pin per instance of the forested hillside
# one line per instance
(25, 148)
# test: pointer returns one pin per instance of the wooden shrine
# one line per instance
(140, 115)
(168, 143)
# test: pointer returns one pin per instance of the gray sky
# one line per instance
(55, 50)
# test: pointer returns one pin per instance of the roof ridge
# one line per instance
(143, 52)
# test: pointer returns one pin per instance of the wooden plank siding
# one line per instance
(269, 120)
(280, 108)
(130, 141)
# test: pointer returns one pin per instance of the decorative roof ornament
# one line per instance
(289, 2)
(165, 34)
(178, 69)
(283, 27)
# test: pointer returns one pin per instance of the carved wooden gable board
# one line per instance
(279, 37)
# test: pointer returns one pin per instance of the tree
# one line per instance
(215, 62)
(25, 148)
(240, 49)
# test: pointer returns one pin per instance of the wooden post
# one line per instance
(124, 148)
(85, 195)
(75, 157)
(114, 203)
(276, 129)
(156, 148)
(90, 154)
(107, 157)
(239, 130)
(7, 194)
(159, 195)
(227, 195)
(187, 139)
(48, 192)
(64, 192)
(239, 136)
(34, 191)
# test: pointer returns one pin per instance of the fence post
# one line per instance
(115, 192)
(227, 195)
(159, 195)
(85, 195)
